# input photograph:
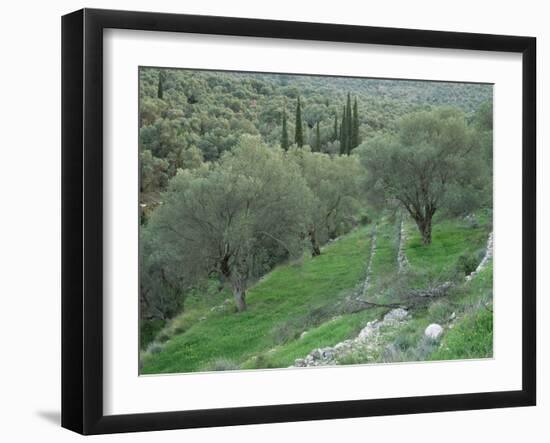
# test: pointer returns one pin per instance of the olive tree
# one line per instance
(162, 285)
(229, 218)
(334, 182)
(153, 172)
(432, 153)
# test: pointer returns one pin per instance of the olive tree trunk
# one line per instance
(238, 284)
(315, 249)
(239, 292)
(425, 227)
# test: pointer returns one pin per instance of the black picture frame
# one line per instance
(82, 218)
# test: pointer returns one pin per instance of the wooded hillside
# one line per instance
(250, 177)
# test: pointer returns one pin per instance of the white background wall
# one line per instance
(30, 218)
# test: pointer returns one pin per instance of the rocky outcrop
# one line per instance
(366, 341)
(395, 315)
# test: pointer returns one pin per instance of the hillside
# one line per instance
(339, 300)
(307, 220)
(210, 110)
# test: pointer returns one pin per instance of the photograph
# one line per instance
(294, 221)
(267, 222)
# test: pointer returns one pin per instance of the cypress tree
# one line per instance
(299, 136)
(349, 125)
(160, 88)
(317, 138)
(355, 127)
(284, 136)
(343, 125)
(335, 134)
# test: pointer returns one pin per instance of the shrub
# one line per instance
(471, 221)
(221, 364)
(148, 330)
(393, 354)
(154, 348)
(163, 337)
(359, 357)
(179, 330)
(285, 332)
(440, 311)
(467, 263)
(404, 341)
(262, 361)
(425, 348)
(364, 219)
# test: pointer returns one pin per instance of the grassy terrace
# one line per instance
(286, 296)
(384, 265)
(472, 334)
(450, 240)
(305, 295)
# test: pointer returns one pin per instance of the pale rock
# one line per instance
(316, 355)
(397, 314)
(433, 331)
(327, 353)
(367, 331)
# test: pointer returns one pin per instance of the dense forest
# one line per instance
(188, 116)
(244, 172)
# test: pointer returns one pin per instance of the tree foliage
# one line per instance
(230, 186)
(160, 88)
(299, 134)
(162, 284)
(349, 128)
(209, 110)
(284, 133)
(433, 154)
(335, 186)
(355, 138)
(231, 218)
(317, 145)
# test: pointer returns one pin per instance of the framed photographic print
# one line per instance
(270, 221)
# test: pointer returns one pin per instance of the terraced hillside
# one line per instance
(339, 300)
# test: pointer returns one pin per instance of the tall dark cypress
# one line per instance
(160, 88)
(284, 135)
(317, 138)
(299, 135)
(355, 126)
(343, 125)
(349, 125)
(335, 134)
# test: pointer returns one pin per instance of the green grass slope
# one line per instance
(290, 295)
(308, 295)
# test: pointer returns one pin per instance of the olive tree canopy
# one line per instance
(335, 185)
(229, 218)
(432, 154)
